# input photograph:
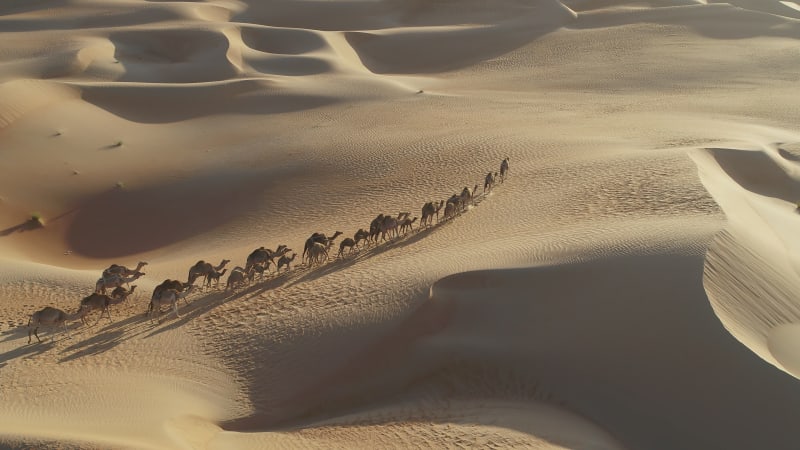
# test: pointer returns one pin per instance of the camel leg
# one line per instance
(66, 330)
(175, 309)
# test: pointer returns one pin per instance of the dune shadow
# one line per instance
(787, 155)
(167, 103)
(444, 50)
(119, 18)
(127, 221)
(717, 21)
(616, 329)
(29, 225)
(757, 172)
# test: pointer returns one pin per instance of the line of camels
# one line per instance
(316, 251)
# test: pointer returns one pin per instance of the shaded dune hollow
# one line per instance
(282, 41)
(757, 172)
(128, 221)
(173, 56)
(628, 342)
(454, 47)
(174, 103)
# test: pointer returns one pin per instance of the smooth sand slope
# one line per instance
(630, 285)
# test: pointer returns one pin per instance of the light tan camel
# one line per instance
(467, 197)
(51, 317)
(97, 302)
(488, 183)
(428, 210)
(450, 210)
(115, 269)
(203, 269)
(168, 297)
(318, 253)
(318, 238)
(115, 281)
(504, 169)
(286, 261)
(214, 277)
(169, 284)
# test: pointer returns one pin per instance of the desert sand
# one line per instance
(631, 283)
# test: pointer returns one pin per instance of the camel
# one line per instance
(286, 261)
(389, 226)
(168, 297)
(319, 238)
(488, 183)
(428, 210)
(214, 277)
(265, 256)
(115, 281)
(346, 243)
(317, 252)
(467, 197)
(120, 294)
(407, 224)
(361, 235)
(237, 277)
(259, 269)
(202, 269)
(169, 284)
(450, 211)
(504, 169)
(375, 227)
(115, 269)
(97, 301)
(52, 317)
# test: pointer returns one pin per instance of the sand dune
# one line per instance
(629, 285)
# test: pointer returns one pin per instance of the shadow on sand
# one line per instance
(29, 225)
(116, 332)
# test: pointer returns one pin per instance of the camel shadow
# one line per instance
(108, 337)
(311, 273)
(14, 333)
(197, 307)
(29, 350)
(363, 254)
(29, 225)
